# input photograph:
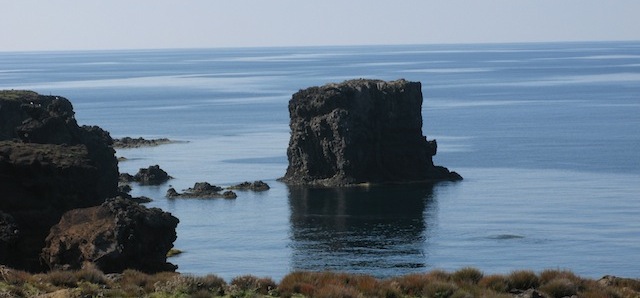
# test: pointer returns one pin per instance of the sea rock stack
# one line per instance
(360, 131)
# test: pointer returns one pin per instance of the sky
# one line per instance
(46, 25)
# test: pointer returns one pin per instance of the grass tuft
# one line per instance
(495, 282)
(467, 275)
(254, 284)
(560, 287)
(523, 280)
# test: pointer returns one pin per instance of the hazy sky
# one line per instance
(133, 24)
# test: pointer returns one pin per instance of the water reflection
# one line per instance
(376, 230)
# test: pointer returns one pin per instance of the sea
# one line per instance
(546, 136)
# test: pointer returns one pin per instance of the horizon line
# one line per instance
(313, 46)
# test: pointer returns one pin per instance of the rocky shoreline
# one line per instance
(64, 203)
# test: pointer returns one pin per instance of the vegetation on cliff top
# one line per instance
(466, 282)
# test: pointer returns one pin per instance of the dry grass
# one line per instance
(463, 283)
(523, 280)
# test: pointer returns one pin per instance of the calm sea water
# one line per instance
(547, 137)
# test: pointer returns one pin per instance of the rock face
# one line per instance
(360, 131)
(8, 233)
(48, 165)
(116, 235)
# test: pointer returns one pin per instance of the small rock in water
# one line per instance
(201, 190)
(128, 142)
(152, 175)
(255, 186)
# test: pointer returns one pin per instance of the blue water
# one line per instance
(547, 137)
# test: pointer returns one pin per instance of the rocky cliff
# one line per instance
(360, 131)
(48, 165)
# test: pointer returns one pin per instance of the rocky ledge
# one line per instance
(360, 131)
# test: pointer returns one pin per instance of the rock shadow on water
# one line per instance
(378, 230)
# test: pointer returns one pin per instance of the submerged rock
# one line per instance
(201, 190)
(360, 131)
(117, 235)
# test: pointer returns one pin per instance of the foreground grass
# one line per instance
(466, 282)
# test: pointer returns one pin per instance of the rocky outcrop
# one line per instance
(128, 142)
(117, 235)
(153, 175)
(360, 131)
(48, 165)
(201, 190)
(253, 186)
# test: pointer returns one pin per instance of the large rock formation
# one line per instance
(360, 131)
(48, 165)
(116, 235)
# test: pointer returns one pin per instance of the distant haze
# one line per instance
(28, 25)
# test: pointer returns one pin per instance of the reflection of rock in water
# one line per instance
(378, 230)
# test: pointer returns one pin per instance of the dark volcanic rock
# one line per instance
(9, 234)
(117, 235)
(360, 131)
(203, 187)
(126, 178)
(254, 186)
(128, 142)
(152, 175)
(201, 190)
(48, 165)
